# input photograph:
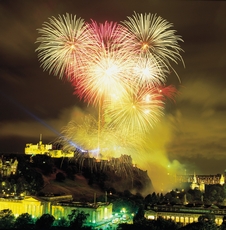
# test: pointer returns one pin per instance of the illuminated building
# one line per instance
(195, 185)
(99, 212)
(206, 179)
(183, 214)
(8, 166)
(46, 149)
(58, 206)
(199, 181)
(29, 205)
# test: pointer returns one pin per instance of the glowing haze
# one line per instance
(121, 70)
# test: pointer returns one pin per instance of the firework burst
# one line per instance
(138, 111)
(109, 36)
(63, 45)
(86, 134)
(146, 71)
(154, 36)
(106, 77)
(107, 74)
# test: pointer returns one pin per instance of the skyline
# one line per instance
(191, 135)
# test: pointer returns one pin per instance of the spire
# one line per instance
(40, 140)
(194, 179)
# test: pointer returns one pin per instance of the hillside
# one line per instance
(37, 175)
(82, 189)
(78, 188)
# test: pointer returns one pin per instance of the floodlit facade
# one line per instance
(59, 206)
(46, 149)
(99, 212)
(206, 179)
(26, 205)
(184, 215)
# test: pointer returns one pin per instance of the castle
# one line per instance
(46, 149)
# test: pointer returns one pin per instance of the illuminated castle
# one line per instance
(8, 166)
(46, 149)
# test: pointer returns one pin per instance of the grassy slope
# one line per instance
(78, 188)
(82, 191)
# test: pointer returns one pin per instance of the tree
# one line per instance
(139, 215)
(112, 191)
(214, 193)
(44, 162)
(127, 193)
(45, 221)
(62, 222)
(24, 221)
(145, 224)
(34, 180)
(207, 218)
(162, 224)
(6, 219)
(125, 203)
(125, 226)
(223, 225)
(196, 195)
(77, 219)
(205, 222)
(60, 177)
(200, 226)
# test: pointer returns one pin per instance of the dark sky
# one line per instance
(193, 131)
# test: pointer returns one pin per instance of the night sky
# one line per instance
(192, 134)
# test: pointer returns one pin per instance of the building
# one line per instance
(8, 166)
(184, 214)
(100, 214)
(195, 185)
(206, 179)
(46, 149)
(29, 205)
